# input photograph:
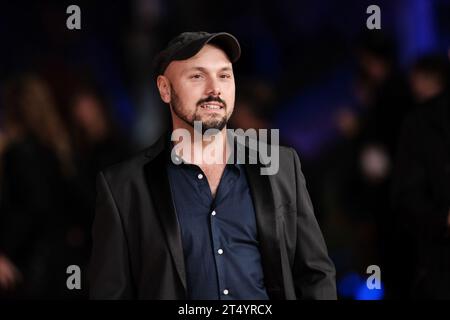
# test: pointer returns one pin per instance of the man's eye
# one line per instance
(196, 76)
(225, 76)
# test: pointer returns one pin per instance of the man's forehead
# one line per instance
(203, 68)
(209, 58)
(210, 49)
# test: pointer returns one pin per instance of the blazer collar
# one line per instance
(158, 181)
(269, 240)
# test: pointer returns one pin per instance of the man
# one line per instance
(202, 230)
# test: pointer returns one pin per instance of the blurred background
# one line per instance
(367, 111)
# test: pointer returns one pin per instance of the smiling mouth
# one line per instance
(210, 106)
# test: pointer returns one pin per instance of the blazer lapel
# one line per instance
(266, 221)
(157, 178)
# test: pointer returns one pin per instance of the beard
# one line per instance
(215, 122)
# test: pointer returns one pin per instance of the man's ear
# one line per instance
(164, 88)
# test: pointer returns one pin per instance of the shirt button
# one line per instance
(213, 213)
(225, 292)
(200, 176)
(220, 251)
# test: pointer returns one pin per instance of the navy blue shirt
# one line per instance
(219, 235)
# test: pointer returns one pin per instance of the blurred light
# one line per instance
(416, 26)
(349, 284)
(365, 293)
(353, 286)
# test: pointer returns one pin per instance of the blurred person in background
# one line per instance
(429, 78)
(98, 143)
(97, 138)
(253, 103)
(383, 97)
(36, 165)
(421, 187)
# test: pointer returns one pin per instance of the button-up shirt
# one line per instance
(219, 235)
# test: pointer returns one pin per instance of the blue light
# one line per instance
(416, 28)
(349, 284)
(354, 286)
(365, 293)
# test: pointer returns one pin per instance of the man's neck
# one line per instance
(202, 146)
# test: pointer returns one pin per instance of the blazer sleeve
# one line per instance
(313, 272)
(109, 270)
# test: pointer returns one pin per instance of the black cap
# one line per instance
(188, 44)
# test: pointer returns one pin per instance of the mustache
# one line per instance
(211, 99)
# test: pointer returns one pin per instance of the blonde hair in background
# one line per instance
(30, 109)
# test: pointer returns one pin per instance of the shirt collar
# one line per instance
(232, 159)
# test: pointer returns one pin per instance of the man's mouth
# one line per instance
(211, 106)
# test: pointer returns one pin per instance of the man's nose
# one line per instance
(213, 88)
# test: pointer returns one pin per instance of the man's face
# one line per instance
(201, 88)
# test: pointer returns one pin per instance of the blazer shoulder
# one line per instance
(286, 151)
(284, 165)
(288, 157)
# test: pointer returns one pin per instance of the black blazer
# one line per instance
(137, 251)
